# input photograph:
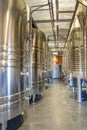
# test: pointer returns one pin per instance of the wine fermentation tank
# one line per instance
(13, 61)
(38, 60)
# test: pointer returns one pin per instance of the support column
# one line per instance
(80, 74)
(79, 92)
(4, 126)
(30, 39)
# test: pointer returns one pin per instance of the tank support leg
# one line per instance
(33, 98)
(4, 126)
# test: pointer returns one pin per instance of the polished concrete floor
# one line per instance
(57, 111)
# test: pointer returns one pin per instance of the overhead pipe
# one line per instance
(52, 19)
(48, 20)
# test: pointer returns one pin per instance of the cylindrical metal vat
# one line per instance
(38, 60)
(46, 63)
(78, 53)
(73, 58)
(42, 59)
(12, 54)
(49, 66)
(35, 60)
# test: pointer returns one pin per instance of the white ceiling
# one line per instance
(64, 18)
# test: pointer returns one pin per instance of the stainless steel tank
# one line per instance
(42, 60)
(35, 60)
(13, 66)
(38, 60)
(49, 66)
(46, 63)
(68, 57)
(78, 52)
(73, 58)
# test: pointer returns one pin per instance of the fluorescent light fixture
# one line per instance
(55, 53)
(56, 23)
(53, 49)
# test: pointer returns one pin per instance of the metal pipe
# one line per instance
(85, 49)
(30, 47)
(55, 20)
(42, 10)
(37, 7)
(81, 64)
(52, 19)
(79, 92)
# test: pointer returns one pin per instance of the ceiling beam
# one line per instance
(42, 10)
(48, 20)
(56, 47)
(70, 11)
(60, 40)
(63, 29)
(52, 48)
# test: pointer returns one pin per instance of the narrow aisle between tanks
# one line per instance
(57, 111)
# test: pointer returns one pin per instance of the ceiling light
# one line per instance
(55, 53)
(53, 49)
(56, 23)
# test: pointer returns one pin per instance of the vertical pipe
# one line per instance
(30, 34)
(79, 94)
(85, 49)
(80, 72)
